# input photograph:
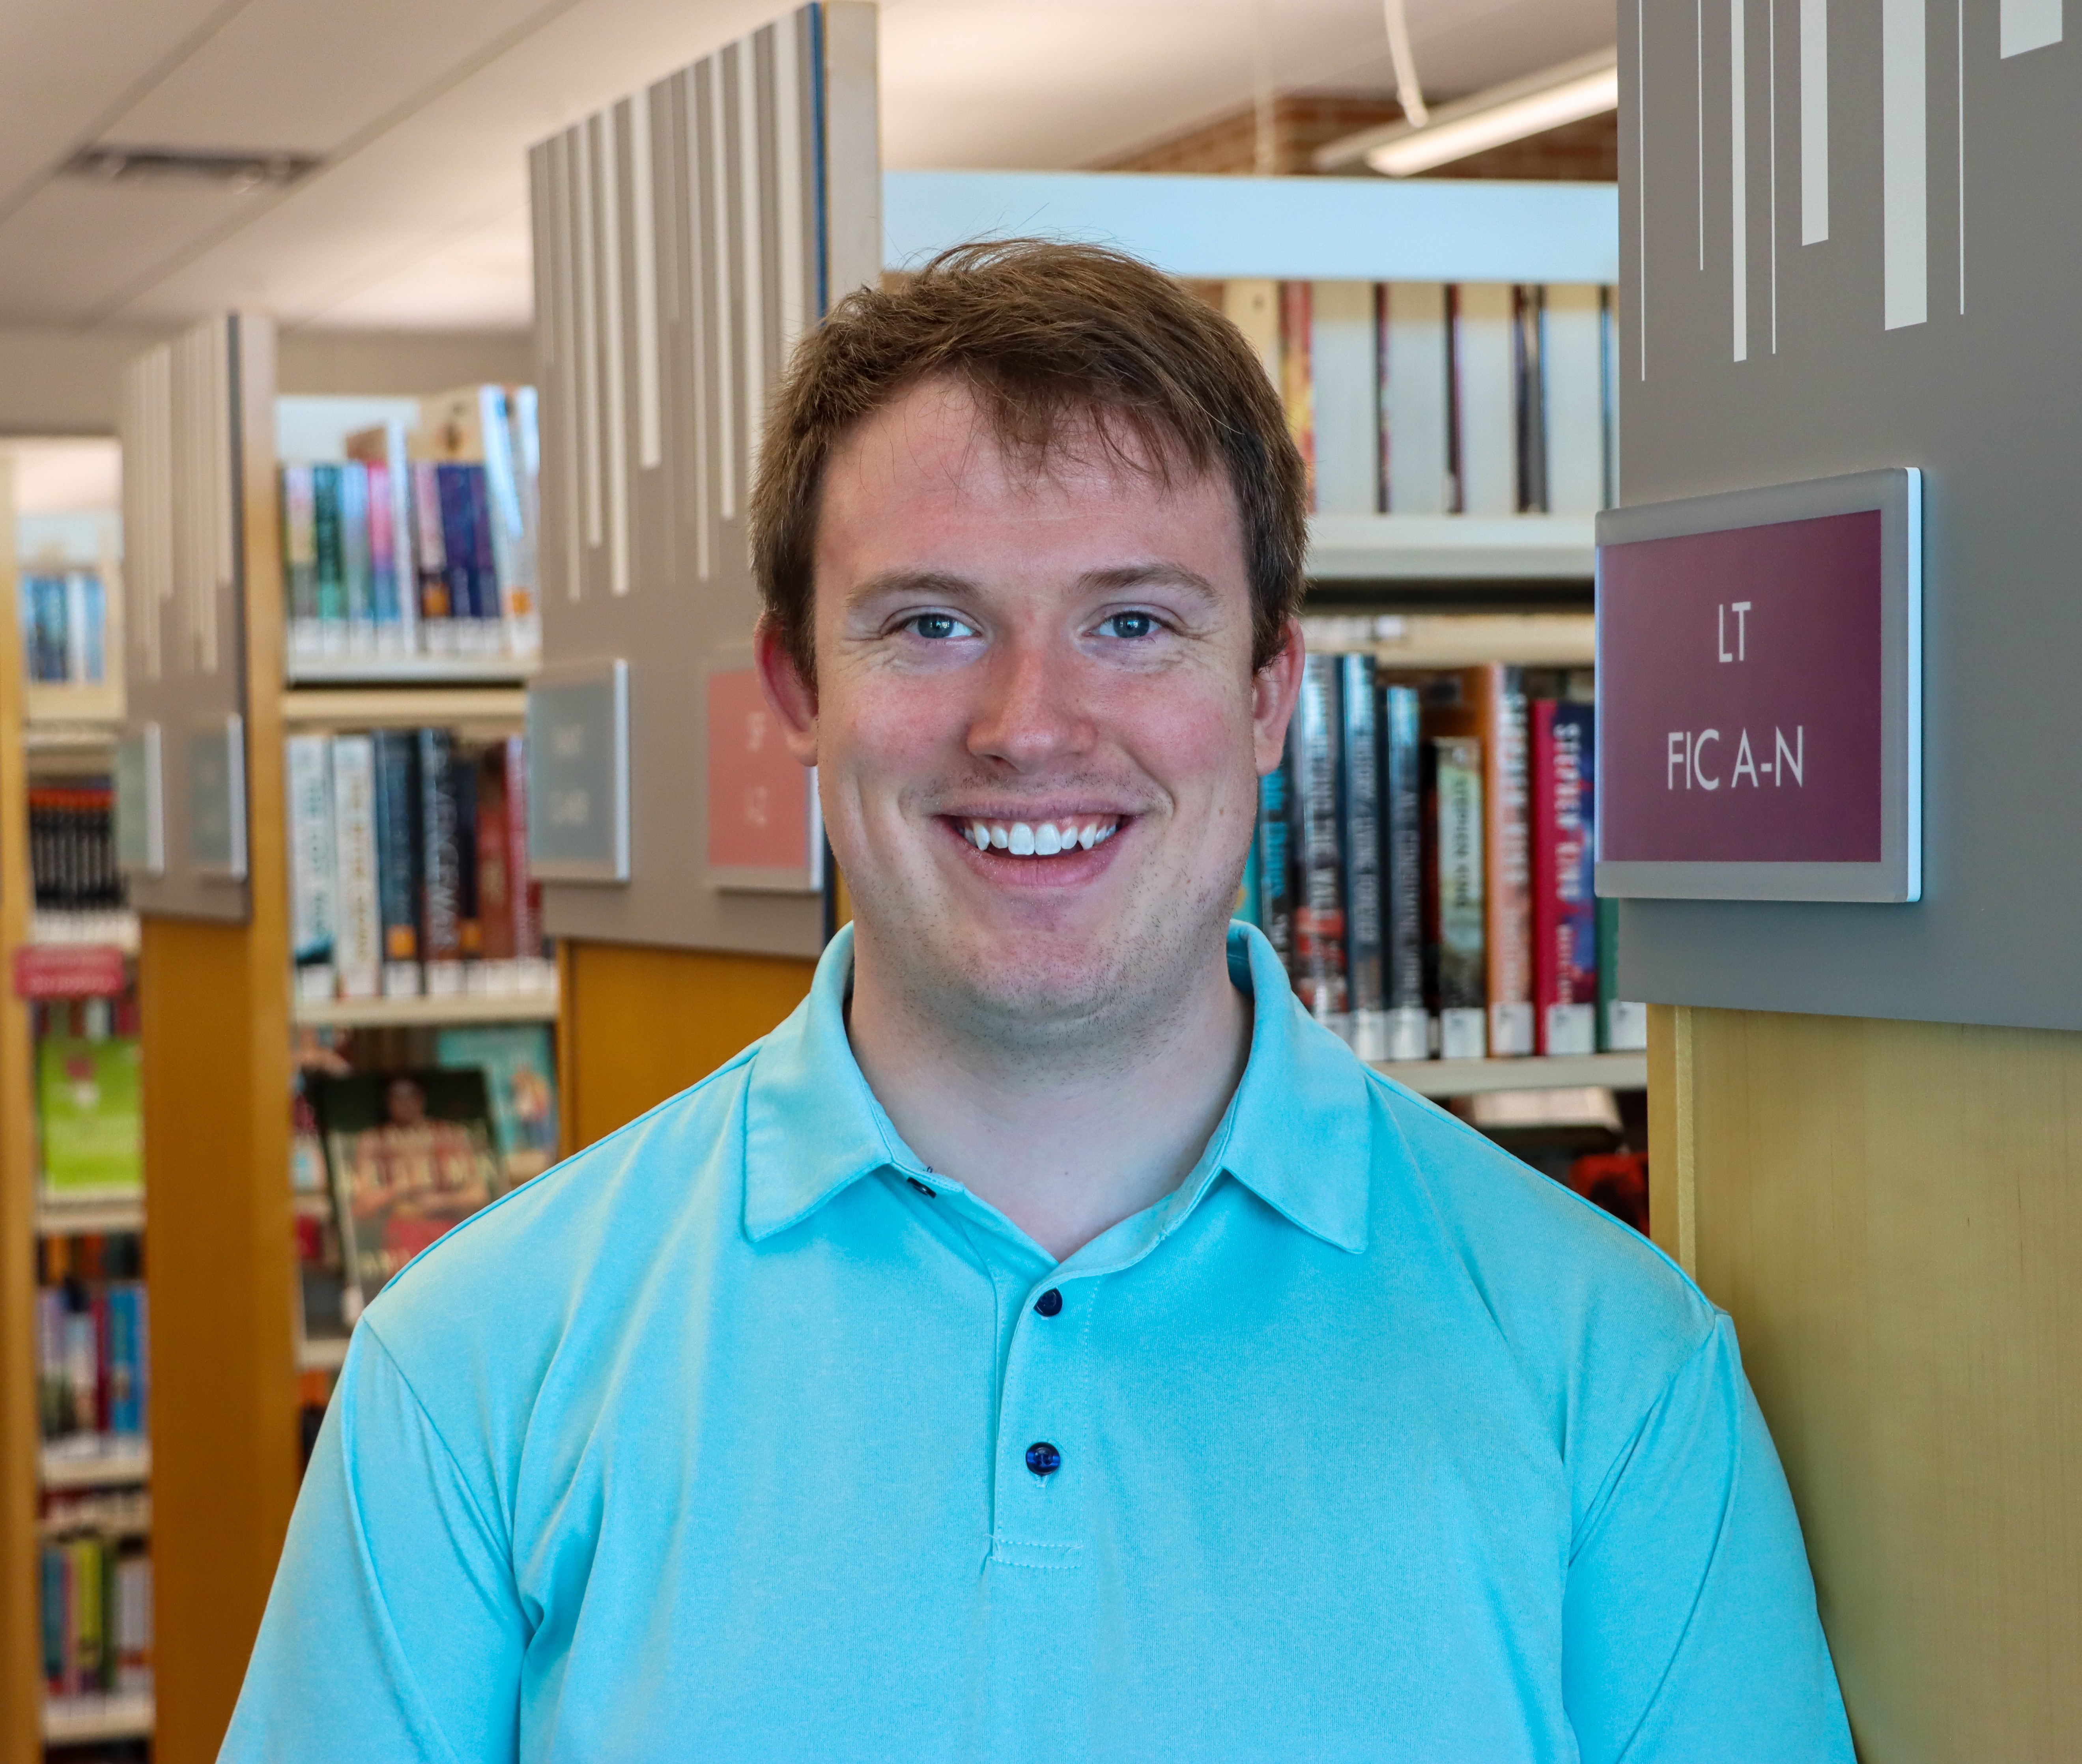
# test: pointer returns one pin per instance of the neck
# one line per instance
(1065, 1138)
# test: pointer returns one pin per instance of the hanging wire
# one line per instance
(1407, 91)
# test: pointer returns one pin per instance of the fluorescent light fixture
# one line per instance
(1584, 87)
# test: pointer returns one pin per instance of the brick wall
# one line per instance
(1302, 122)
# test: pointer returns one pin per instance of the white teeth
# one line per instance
(1085, 838)
(979, 835)
(998, 838)
(1047, 840)
(1022, 842)
(1106, 833)
(1043, 838)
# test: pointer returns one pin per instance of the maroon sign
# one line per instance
(68, 970)
(1740, 695)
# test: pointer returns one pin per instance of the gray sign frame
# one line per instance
(141, 802)
(591, 697)
(1896, 494)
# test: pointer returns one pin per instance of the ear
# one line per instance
(792, 698)
(1274, 690)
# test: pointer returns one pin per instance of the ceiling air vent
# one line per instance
(234, 171)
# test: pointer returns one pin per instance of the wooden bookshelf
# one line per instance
(74, 1218)
(1390, 548)
(1481, 1077)
(536, 1005)
(91, 1720)
(493, 706)
(410, 670)
(115, 1460)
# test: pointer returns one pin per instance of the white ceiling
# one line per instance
(423, 112)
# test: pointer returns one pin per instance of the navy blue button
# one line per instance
(1042, 1459)
(919, 1185)
(1049, 1302)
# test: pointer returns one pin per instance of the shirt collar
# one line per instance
(1298, 1131)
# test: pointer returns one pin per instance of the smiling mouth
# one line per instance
(1039, 839)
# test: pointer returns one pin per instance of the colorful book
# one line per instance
(300, 559)
(331, 559)
(1296, 375)
(437, 609)
(90, 1115)
(1622, 1024)
(1359, 837)
(1565, 965)
(355, 571)
(524, 893)
(313, 869)
(1454, 933)
(1409, 1028)
(358, 952)
(1318, 966)
(521, 1077)
(440, 862)
(398, 858)
(1275, 874)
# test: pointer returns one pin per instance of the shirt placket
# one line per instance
(1042, 1463)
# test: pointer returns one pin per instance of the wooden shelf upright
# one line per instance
(203, 643)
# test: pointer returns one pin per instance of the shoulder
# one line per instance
(581, 1235)
(1597, 1319)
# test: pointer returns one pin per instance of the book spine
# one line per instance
(1360, 835)
(469, 930)
(1342, 376)
(1402, 874)
(313, 909)
(1529, 397)
(398, 471)
(93, 603)
(76, 640)
(384, 605)
(494, 903)
(502, 492)
(484, 561)
(459, 548)
(354, 555)
(300, 559)
(523, 605)
(397, 849)
(1508, 879)
(1564, 928)
(522, 889)
(440, 928)
(358, 936)
(1416, 464)
(1622, 1023)
(436, 609)
(1573, 398)
(1319, 905)
(1485, 413)
(1295, 376)
(1458, 965)
(331, 561)
(1276, 873)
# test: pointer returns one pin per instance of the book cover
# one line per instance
(1564, 965)
(520, 1076)
(1415, 451)
(524, 597)
(1275, 874)
(1455, 931)
(358, 917)
(495, 901)
(382, 450)
(313, 908)
(1358, 798)
(408, 1153)
(1296, 376)
(385, 607)
(331, 557)
(1318, 967)
(1403, 865)
(1622, 1023)
(398, 859)
(484, 564)
(355, 570)
(502, 494)
(458, 548)
(300, 567)
(440, 879)
(90, 1119)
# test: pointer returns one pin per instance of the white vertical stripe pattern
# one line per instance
(1814, 121)
(1698, 112)
(618, 366)
(650, 448)
(1771, 86)
(724, 327)
(1959, 70)
(698, 319)
(1640, 185)
(752, 213)
(565, 390)
(788, 185)
(1739, 178)
(583, 248)
(1904, 174)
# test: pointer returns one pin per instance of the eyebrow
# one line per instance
(941, 584)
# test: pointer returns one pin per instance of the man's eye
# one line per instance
(1130, 625)
(938, 627)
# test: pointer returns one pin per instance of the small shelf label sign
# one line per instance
(1759, 693)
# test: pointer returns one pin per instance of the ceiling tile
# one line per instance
(75, 243)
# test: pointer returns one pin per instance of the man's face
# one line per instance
(1037, 730)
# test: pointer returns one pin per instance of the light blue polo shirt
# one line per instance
(721, 1441)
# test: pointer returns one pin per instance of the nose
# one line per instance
(1030, 712)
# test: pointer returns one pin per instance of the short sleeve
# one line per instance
(393, 1630)
(1690, 1628)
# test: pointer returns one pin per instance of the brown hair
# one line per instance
(1048, 336)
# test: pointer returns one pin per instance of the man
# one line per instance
(1048, 1343)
